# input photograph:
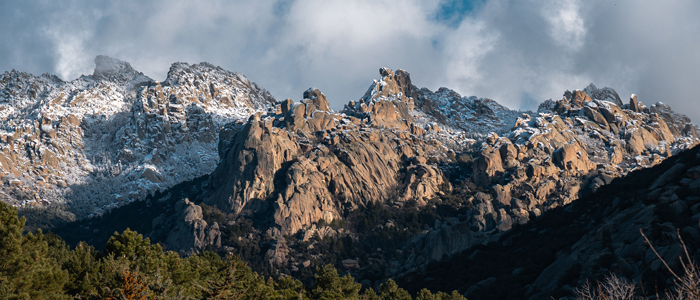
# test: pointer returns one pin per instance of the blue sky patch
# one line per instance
(452, 12)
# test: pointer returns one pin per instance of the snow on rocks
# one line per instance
(469, 114)
(86, 139)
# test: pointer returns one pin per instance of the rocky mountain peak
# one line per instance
(605, 94)
(108, 68)
(314, 164)
(305, 157)
(318, 99)
(392, 84)
(570, 148)
(229, 89)
(387, 102)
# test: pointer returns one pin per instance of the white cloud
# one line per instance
(70, 53)
(465, 51)
(566, 26)
(516, 52)
(339, 45)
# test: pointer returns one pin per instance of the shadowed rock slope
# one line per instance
(586, 240)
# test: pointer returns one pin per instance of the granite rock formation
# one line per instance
(306, 164)
(312, 163)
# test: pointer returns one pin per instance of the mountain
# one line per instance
(386, 187)
(115, 136)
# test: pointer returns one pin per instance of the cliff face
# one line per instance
(310, 163)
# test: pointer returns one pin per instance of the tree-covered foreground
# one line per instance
(42, 266)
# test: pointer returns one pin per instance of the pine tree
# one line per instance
(370, 294)
(26, 269)
(425, 294)
(391, 291)
(290, 288)
(331, 286)
(82, 266)
(239, 282)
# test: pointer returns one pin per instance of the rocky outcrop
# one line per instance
(306, 163)
(473, 115)
(572, 157)
(488, 166)
(112, 69)
(678, 124)
(314, 164)
(580, 98)
(191, 234)
(387, 102)
(605, 94)
(587, 240)
(635, 106)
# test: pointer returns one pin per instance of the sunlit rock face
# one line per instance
(310, 163)
(302, 164)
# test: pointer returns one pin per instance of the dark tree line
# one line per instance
(42, 266)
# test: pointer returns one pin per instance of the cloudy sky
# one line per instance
(516, 52)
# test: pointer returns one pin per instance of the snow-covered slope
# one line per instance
(469, 114)
(116, 135)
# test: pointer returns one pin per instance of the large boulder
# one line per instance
(580, 98)
(639, 140)
(670, 174)
(690, 131)
(191, 233)
(634, 104)
(318, 99)
(487, 167)
(605, 94)
(572, 157)
(594, 115)
(660, 130)
(509, 155)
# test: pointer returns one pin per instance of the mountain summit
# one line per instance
(107, 68)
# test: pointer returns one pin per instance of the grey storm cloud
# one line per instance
(516, 52)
